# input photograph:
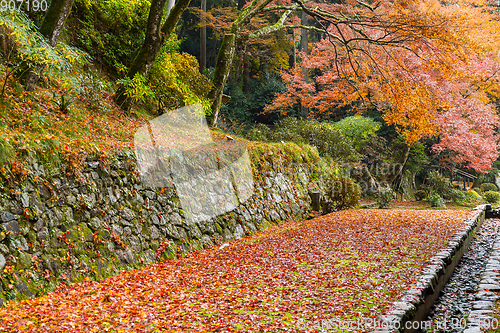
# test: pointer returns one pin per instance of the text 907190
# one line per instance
(26, 5)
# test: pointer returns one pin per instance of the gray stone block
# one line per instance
(482, 305)
(489, 286)
(12, 226)
(483, 295)
(472, 330)
(2, 262)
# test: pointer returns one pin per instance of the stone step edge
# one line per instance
(481, 315)
(411, 310)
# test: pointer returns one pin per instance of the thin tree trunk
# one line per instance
(226, 55)
(151, 46)
(54, 20)
(203, 37)
(400, 164)
(304, 46)
(3, 39)
(222, 71)
(51, 28)
(246, 75)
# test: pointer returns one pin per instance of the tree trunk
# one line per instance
(203, 37)
(155, 35)
(400, 164)
(51, 28)
(246, 75)
(54, 20)
(222, 71)
(304, 46)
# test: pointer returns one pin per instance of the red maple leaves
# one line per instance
(349, 264)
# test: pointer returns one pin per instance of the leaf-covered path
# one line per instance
(349, 264)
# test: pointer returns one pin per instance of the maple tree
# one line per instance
(428, 66)
(350, 264)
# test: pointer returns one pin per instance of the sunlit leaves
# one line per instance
(32, 47)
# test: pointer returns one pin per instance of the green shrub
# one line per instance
(358, 129)
(491, 196)
(326, 137)
(485, 187)
(440, 185)
(474, 194)
(175, 79)
(6, 151)
(341, 193)
(385, 196)
(436, 201)
(468, 198)
(457, 196)
(420, 195)
(33, 48)
(259, 132)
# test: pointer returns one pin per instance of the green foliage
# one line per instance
(110, 31)
(31, 48)
(62, 102)
(137, 88)
(327, 138)
(458, 196)
(492, 174)
(436, 201)
(440, 185)
(463, 198)
(385, 196)
(488, 187)
(6, 149)
(338, 140)
(259, 132)
(91, 88)
(420, 195)
(358, 129)
(341, 192)
(175, 80)
(417, 157)
(246, 107)
(491, 196)
(475, 193)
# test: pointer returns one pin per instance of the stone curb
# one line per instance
(412, 308)
(480, 316)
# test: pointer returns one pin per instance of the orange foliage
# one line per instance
(428, 66)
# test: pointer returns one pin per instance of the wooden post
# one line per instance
(316, 198)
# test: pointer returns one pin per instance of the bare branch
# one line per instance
(275, 27)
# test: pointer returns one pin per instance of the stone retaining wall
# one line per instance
(63, 228)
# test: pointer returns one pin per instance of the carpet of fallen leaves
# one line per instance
(349, 264)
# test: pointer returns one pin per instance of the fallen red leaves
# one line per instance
(350, 264)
